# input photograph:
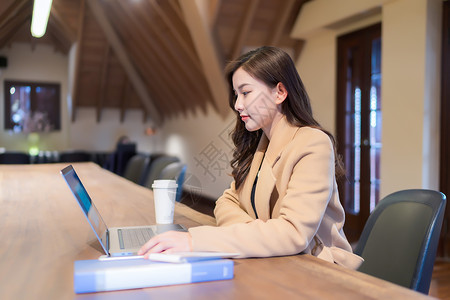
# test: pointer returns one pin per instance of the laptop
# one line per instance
(117, 241)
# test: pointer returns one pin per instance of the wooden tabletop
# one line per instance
(43, 232)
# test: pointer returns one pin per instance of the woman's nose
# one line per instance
(238, 104)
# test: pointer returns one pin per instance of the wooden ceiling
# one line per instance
(164, 57)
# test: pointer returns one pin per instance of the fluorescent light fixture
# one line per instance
(41, 11)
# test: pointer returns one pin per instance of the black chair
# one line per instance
(156, 167)
(74, 156)
(14, 158)
(99, 157)
(400, 239)
(117, 161)
(124, 153)
(135, 168)
(175, 171)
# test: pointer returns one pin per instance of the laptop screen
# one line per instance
(85, 202)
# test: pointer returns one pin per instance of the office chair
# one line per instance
(123, 154)
(136, 167)
(156, 167)
(116, 161)
(400, 239)
(14, 158)
(74, 156)
(175, 171)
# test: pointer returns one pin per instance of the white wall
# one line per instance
(202, 142)
(410, 85)
(42, 64)
(411, 94)
(432, 92)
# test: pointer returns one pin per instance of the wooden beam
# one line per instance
(11, 12)
(59, 40)
(8, 31)
(149, 60)
(103, 81)
(60, 37)
(282, 18)
(201, 33)
(186, 72)
(12, 26)
(160, 50)
(214, 6)
(176, 8)
(62, 24)
(123, 57)
(244, 28)
(77, 62)
(186, 48)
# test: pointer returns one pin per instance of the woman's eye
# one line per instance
(245, 93)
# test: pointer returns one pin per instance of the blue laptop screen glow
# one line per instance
(85, 201)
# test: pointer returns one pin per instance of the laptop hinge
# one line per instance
(106, 236)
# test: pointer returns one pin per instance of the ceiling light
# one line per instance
(41, 11)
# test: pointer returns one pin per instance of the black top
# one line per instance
(252, 196)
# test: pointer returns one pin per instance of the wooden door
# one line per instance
(444, 245)
(359, 121)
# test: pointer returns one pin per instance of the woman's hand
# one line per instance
(170, 241)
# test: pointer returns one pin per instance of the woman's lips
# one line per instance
(244, 118)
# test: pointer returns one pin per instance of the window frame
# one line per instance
(54, 113)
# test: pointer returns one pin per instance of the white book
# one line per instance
(109, 275)
(184, 257)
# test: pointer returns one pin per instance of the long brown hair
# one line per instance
(270, 65)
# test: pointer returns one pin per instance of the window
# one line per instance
(32, 106)
(359, 121)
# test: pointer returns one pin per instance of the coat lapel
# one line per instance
(283, 134)
(248, 183)
(264, 188)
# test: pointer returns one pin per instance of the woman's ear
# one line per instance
(281, 93)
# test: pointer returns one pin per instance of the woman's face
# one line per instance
(255, 102)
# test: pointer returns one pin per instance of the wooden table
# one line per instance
(43, 232)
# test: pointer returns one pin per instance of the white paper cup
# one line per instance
(164, 193)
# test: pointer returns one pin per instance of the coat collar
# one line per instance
(283, 133)
(270, 152)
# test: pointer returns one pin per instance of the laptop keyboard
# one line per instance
(134, 237)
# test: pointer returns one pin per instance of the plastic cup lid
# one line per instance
(164, 184)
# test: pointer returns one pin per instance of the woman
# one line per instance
(284, 198)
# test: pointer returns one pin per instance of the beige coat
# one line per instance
(296, 200)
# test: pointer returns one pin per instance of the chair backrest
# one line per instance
(74, 156)
(123, 154)
(400, 239)
(156, 167)
(175, 171)
(14, 158)
(146, 171)
(136, 167)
